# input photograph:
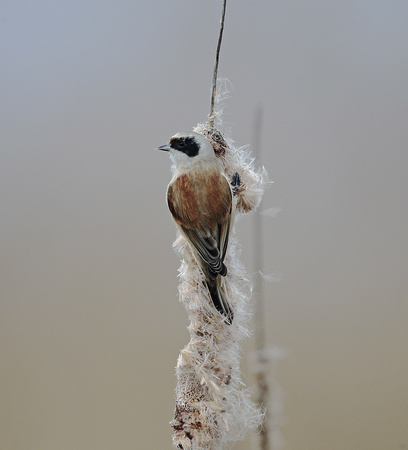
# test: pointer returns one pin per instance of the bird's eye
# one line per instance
(181, 143)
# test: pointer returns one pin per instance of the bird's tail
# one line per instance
(219, 298)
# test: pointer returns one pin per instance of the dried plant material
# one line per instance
(212, 404)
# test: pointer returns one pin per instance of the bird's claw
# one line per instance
(236, 183)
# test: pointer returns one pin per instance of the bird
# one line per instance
(202, 204)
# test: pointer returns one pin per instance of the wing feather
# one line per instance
(202, 208)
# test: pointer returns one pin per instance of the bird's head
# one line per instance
(187, 149)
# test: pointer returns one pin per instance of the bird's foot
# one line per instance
(236, 183)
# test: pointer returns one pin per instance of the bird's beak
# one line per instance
(166, 148)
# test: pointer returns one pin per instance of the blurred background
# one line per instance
(90, 322)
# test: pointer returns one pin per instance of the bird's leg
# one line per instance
(236, 183)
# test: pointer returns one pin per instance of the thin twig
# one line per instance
(260, 334)
(258, 243)
(211, 117)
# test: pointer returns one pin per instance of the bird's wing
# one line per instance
(223, 235)
(204, 217)
(206, 246)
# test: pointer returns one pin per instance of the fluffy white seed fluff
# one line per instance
(213, 407)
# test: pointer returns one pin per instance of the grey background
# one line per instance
(90, 323)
